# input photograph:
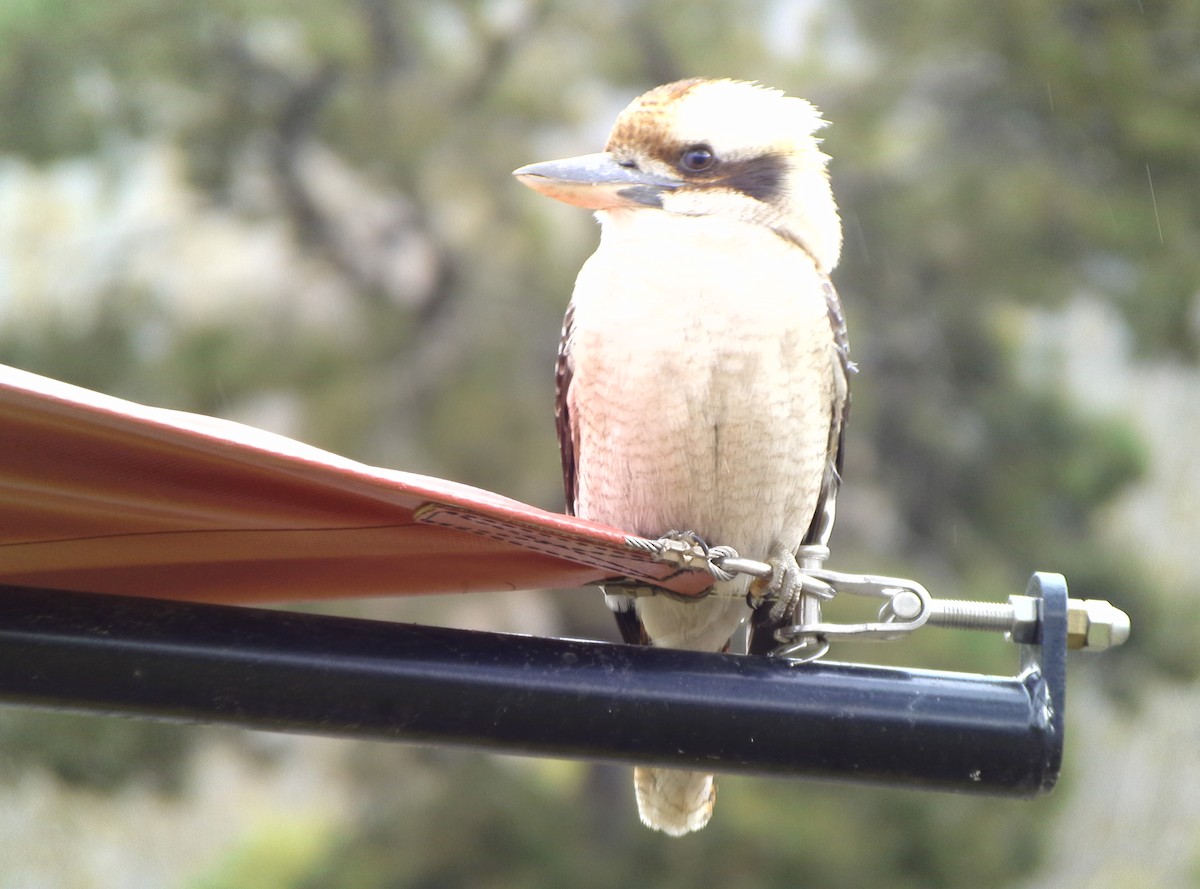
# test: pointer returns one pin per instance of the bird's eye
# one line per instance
(697, 158)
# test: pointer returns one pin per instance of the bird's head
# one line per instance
(722, 148)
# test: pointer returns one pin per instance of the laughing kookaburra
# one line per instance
(702, 377)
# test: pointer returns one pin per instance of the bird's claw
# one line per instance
(785, 586)
(689, 537)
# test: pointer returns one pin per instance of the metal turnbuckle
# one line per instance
(907, 606)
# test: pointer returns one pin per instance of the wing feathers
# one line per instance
(568, 439)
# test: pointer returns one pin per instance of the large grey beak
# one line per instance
(596, 181)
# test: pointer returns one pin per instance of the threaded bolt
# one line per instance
(1091, 623)
(1017, 617)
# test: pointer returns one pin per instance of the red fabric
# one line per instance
(103, 495)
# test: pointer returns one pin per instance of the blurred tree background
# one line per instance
(299, 215)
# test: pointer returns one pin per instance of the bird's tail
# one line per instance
(674, 801)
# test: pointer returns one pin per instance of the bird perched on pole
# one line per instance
(702, 376)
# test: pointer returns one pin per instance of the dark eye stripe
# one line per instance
(761, 178)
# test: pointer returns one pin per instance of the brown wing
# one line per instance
(822, 521)
(568, 441)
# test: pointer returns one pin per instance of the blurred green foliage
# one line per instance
(988, 159)
(276, 856)
(99, 754)
(507, 827)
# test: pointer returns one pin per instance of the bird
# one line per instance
(703, 374)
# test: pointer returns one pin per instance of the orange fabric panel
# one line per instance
(103, 495)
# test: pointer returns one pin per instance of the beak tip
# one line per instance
(594, 181)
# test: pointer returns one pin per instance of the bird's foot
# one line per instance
(785, 585)
(687, 549)
(689, 537)
(787, 606)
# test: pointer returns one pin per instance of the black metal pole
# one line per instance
(281, 671)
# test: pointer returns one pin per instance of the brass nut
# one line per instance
(1095, 624)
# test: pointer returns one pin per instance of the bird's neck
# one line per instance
(643, 229)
